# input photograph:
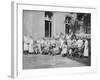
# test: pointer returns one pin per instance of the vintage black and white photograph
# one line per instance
(54, 39)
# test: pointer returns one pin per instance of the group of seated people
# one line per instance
(62, 45)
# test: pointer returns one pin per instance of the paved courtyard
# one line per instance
(47, 61)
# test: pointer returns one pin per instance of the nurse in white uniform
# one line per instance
(26, 45)
(86, 48)
(64, 49)
(30, 45)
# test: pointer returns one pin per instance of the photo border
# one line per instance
(17, 34)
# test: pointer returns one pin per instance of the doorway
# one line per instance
(48, 28)
(67, 28)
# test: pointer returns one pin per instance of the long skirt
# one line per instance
(86, 52)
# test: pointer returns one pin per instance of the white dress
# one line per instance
(61, 42)
(25, 46)
(64, 49)
(26, 41)
(86, 48)
(30, 45)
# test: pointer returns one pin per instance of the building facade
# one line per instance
(38, 24)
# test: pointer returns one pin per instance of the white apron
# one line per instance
(25, 46)
(64, 49)
(30, 45)
(86, 48)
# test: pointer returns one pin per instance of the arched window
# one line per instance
(48, 24)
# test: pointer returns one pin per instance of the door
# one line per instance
(48, 29)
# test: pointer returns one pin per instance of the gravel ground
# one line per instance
(47, 61)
